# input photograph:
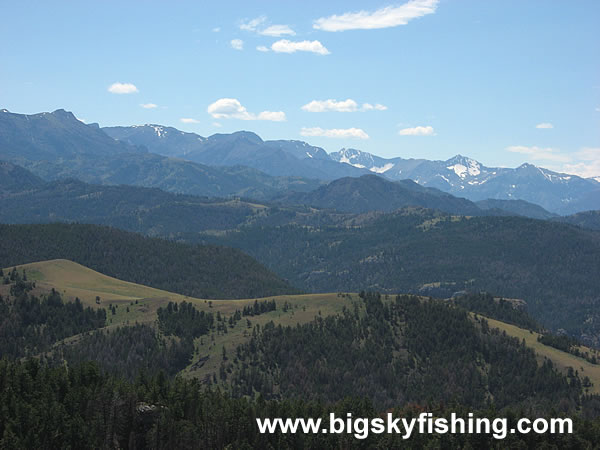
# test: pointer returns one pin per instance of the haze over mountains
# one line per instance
(460, 175)
(57, 145)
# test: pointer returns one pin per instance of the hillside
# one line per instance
(586, 219)
(199, 271)
(14, 178)
(140, 304)
(300, 343)
(373, 193)
(550, 265)
(516, 208)
(73, 280)
(147, 210)
(159, 213)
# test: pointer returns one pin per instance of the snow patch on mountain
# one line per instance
(382, 169)
(472, 167)
(459, 170)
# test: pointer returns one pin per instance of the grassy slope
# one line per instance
(561, 359)
(74, 280)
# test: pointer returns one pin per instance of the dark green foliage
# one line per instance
(586, 219)
(499, 309)
(83, 408)
(199, 271)
(184, 320)
(552, 266)
(144, 210)
(398, 352)
(127, 351)
(19, 283)
(259, 308)
(30, 325)
(566, 344)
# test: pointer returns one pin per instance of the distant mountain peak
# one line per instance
(464, 166)
(527, 166)
(64, 114)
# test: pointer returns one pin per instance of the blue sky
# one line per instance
(501, 81)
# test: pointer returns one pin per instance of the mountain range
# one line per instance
(57, 145)
(369, 228)
(26, 198)
(461, 176)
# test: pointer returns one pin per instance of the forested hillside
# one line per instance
(68, 407)
(397, 352)
(374, 193)
(551, 266)
(403, 355)
(587, 219)
(194, 270)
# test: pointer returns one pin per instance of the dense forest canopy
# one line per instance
(204, 271)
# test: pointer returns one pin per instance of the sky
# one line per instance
(501, 81)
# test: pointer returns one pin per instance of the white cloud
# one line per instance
(237, 44)
(286, 46)
(274, 116)
(216, 124)
(231, 108)
(252, 25)
(149, 105)
(588, 165)
(122, 88)
(584, 163)
(390, 16)
(540, 153)
(376, 106)
(277, 31)
(216, 29)
(258, 25)
(417, 131)
(262, 48)
(589, 154)
(347, 105)
(188, 120)
(356, 133)
(597, 109)
(544, 125)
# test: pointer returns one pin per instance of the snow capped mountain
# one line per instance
(163, 132)
(460, 175)
(466, 177)
(463, 166)
(363, 160)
